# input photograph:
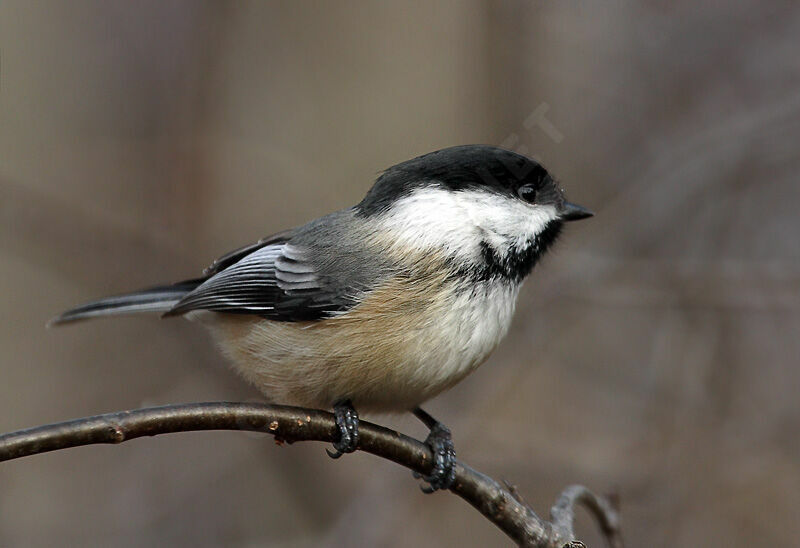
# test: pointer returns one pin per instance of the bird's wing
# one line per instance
(236, 255)
(272, 278)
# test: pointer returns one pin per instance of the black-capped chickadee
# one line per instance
(383, 305)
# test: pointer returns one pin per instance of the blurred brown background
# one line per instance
(653, 353)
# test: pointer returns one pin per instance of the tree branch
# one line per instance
(500, 505)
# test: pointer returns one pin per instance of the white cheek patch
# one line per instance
(456, 222)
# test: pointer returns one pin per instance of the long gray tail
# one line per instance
(154, 299)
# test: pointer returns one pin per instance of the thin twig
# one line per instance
(292, 424)
(603, 509)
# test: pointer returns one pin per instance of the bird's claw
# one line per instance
(347, 423)
(335, 454)
(443, 473)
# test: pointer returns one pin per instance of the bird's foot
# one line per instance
(347, 424)
(440, 442)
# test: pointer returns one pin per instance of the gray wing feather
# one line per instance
(276, 281)
(309, 273)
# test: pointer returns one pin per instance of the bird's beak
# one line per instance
(573, 212)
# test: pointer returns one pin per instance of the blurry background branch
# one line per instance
(502, 506)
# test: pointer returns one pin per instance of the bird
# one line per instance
(381, 306)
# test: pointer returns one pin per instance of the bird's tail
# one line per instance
(154, 299)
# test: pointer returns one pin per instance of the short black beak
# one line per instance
(574, 212)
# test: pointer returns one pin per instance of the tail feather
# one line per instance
(154, 299)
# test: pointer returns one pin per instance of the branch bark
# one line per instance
(501, 505)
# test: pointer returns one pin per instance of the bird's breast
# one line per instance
(405, 342)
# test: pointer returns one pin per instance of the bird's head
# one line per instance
(490, 211)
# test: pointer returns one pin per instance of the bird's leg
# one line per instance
(347, 423)
(444, 454)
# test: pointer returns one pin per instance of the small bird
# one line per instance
(383, 305)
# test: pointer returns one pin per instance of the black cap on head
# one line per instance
(467, 167)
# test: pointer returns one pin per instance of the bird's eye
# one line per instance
(527, 193)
